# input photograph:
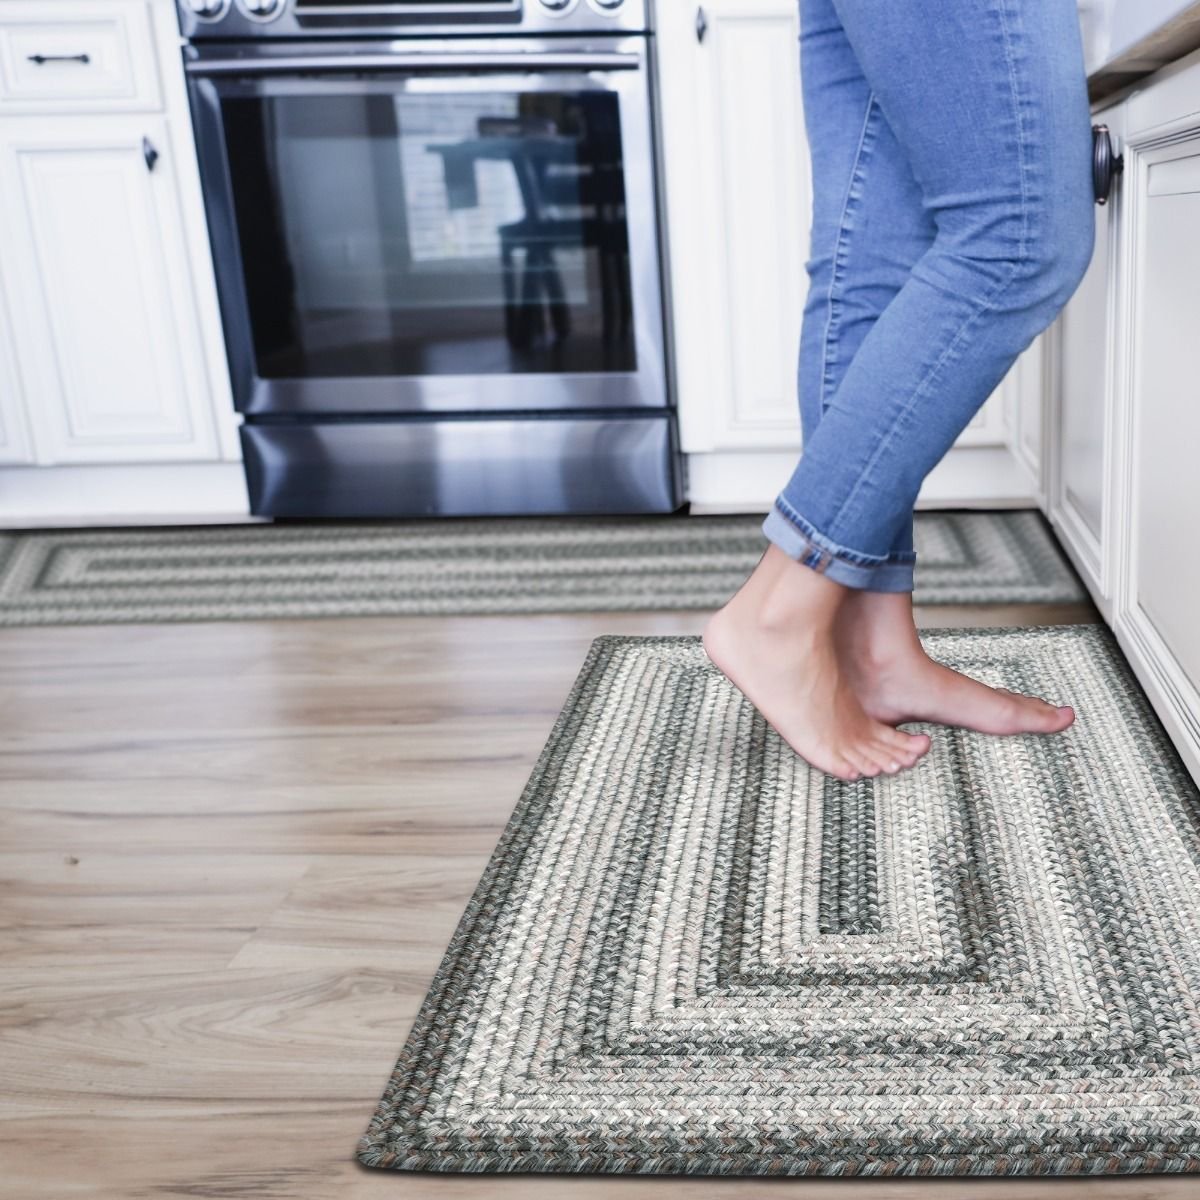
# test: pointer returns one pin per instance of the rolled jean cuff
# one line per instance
(799, 540)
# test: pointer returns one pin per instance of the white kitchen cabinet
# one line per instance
(1125, 411)
(16, 445)
(738, 201)
(1156, 473)
(1164, 581)
(1023, 392)
(1082, 405)
(58, 54)
(114, 388)
(737, 194)
(106, 331)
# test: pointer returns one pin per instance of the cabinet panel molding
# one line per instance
(750, 76)
(1162, 537)
(1086, 400)
(1155, 497)
(86, 55)
(16, 445)
(108, 337)
(738, 194)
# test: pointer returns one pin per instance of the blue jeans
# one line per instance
(952, 219)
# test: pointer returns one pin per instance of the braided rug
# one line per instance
(494, 565)
(690, 953)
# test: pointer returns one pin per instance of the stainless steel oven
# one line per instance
(435, 232)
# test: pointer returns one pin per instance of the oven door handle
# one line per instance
(599, 60)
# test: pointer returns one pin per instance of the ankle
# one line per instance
(798, 602)
(880, 651)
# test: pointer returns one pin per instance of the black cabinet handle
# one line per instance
(1106, 165)
(149, 153)
(40, 59)
(701, 24)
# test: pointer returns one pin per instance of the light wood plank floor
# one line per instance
(231, 856)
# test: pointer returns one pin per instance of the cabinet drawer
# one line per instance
(82, 55)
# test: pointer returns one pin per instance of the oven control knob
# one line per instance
(608, 5)
(262, 10)
(557, 5)
(210, 10)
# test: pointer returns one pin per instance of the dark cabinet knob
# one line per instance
(701, 24)
(1106, 163)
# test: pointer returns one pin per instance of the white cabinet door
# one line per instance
(15, 443)
(103, 312)
(738, 201)
(1024, 398)
(1084, 400)
(1160, 598)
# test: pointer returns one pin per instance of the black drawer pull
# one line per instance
(45, 58)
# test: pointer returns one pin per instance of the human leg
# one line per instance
(988, 100)
(775, 639)
(869, 224)
(877, 643)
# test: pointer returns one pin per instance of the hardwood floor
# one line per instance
(231, 856)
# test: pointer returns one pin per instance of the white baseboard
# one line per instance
(1175, 697)
(968, 477)
(149, 494)
(182, 493)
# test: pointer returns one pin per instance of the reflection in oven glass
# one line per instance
(401, 233)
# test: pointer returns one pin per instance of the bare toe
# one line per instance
(866, 759)
(1054, 718)
(919, 744)
(907, 747)
(893, 759)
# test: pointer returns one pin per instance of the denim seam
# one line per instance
(832, 320)
(1022, 138)
(877, 574)
(981, 306)
(844, 554)
(811, 533)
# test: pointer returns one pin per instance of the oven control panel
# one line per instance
(201, 20)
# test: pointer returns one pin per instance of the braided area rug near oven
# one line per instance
(492, 565)
(690, 953)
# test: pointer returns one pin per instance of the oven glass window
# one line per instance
(414, 232)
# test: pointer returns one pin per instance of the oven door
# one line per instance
(433, 225)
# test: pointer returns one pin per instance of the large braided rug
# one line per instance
(497, 565)
(690, 953)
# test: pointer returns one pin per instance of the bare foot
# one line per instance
(774, 641)
(895, 680)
